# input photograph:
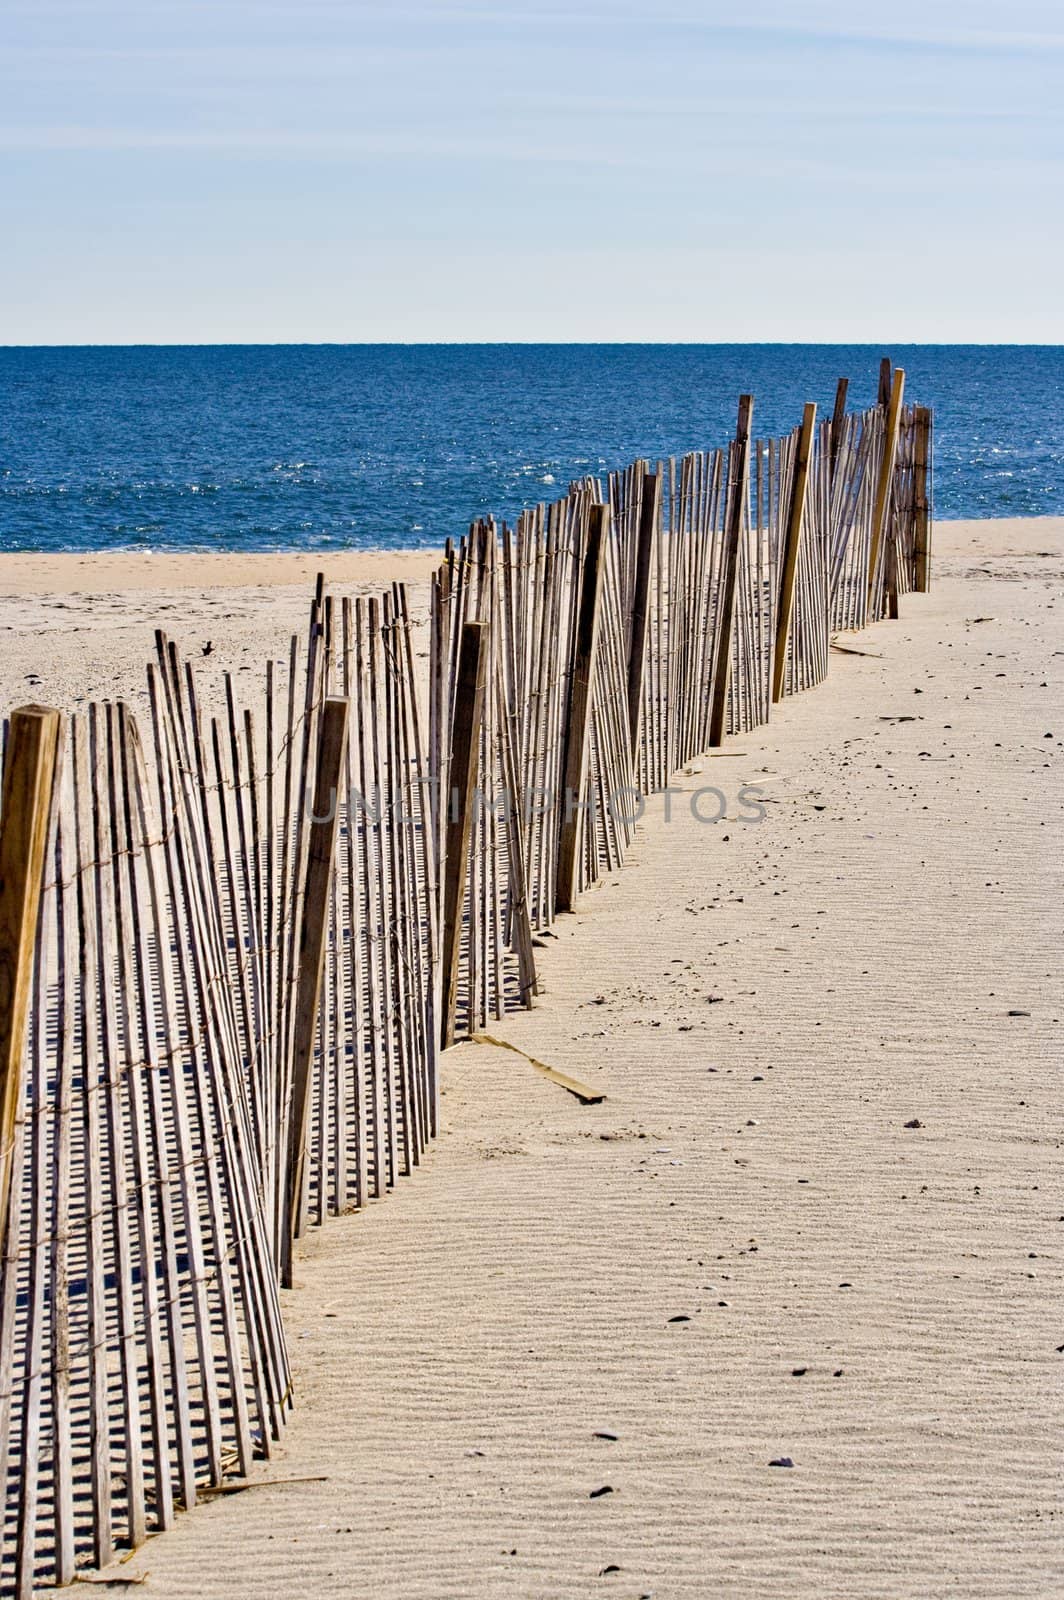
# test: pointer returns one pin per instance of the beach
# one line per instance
(780, 1316)
(80, 625)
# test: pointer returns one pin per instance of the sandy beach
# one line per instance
(817, 1219)
(79, 625)
(472, 1125)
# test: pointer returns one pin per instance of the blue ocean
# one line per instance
(238, 447)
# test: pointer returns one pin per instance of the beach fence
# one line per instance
(615, 634)
(236, 931)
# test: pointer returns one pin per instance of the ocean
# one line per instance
(318, 447)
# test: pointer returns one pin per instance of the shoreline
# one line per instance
(99, 572)
(24, 572)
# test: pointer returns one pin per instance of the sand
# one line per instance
(77, 627)
(769, 1008)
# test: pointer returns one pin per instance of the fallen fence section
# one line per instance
(234, 939)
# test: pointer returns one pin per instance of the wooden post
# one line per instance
(465, 754)
(581, 700)
(29, 775)
(885, 480)
(730, 573)
(321, 849)
(838, 417)
(792, 540)
(890, 580)
(921, 498)
(649, 516)
(890, 564)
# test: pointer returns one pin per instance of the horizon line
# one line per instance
(579, 344)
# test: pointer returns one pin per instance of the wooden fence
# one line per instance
(628, 627)
(233, 941)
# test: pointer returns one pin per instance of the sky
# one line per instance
(344, 170)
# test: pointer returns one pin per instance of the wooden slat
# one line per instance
(60, 1184)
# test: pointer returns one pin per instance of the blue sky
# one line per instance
(337, 170)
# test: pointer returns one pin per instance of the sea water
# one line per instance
(318, 447)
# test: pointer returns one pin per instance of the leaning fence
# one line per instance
(235, 934)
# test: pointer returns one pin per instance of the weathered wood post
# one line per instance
(737, 498)
(321, 851)
(885, 481)
(649, 515)
(838, 417)
(890, 579)
(465, 754)
(29, 776)
(792, 543)
(921, 498)
(886, 381)
(581, 703)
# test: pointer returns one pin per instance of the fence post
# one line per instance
(581, 701)
(890, 580)
(921, 499)
(730, 573)
(29, 776)
(792, 537)
(465, 754)
(649, 515)
(321, 849)
(885, 480)
(838, 417)
(886, 381)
